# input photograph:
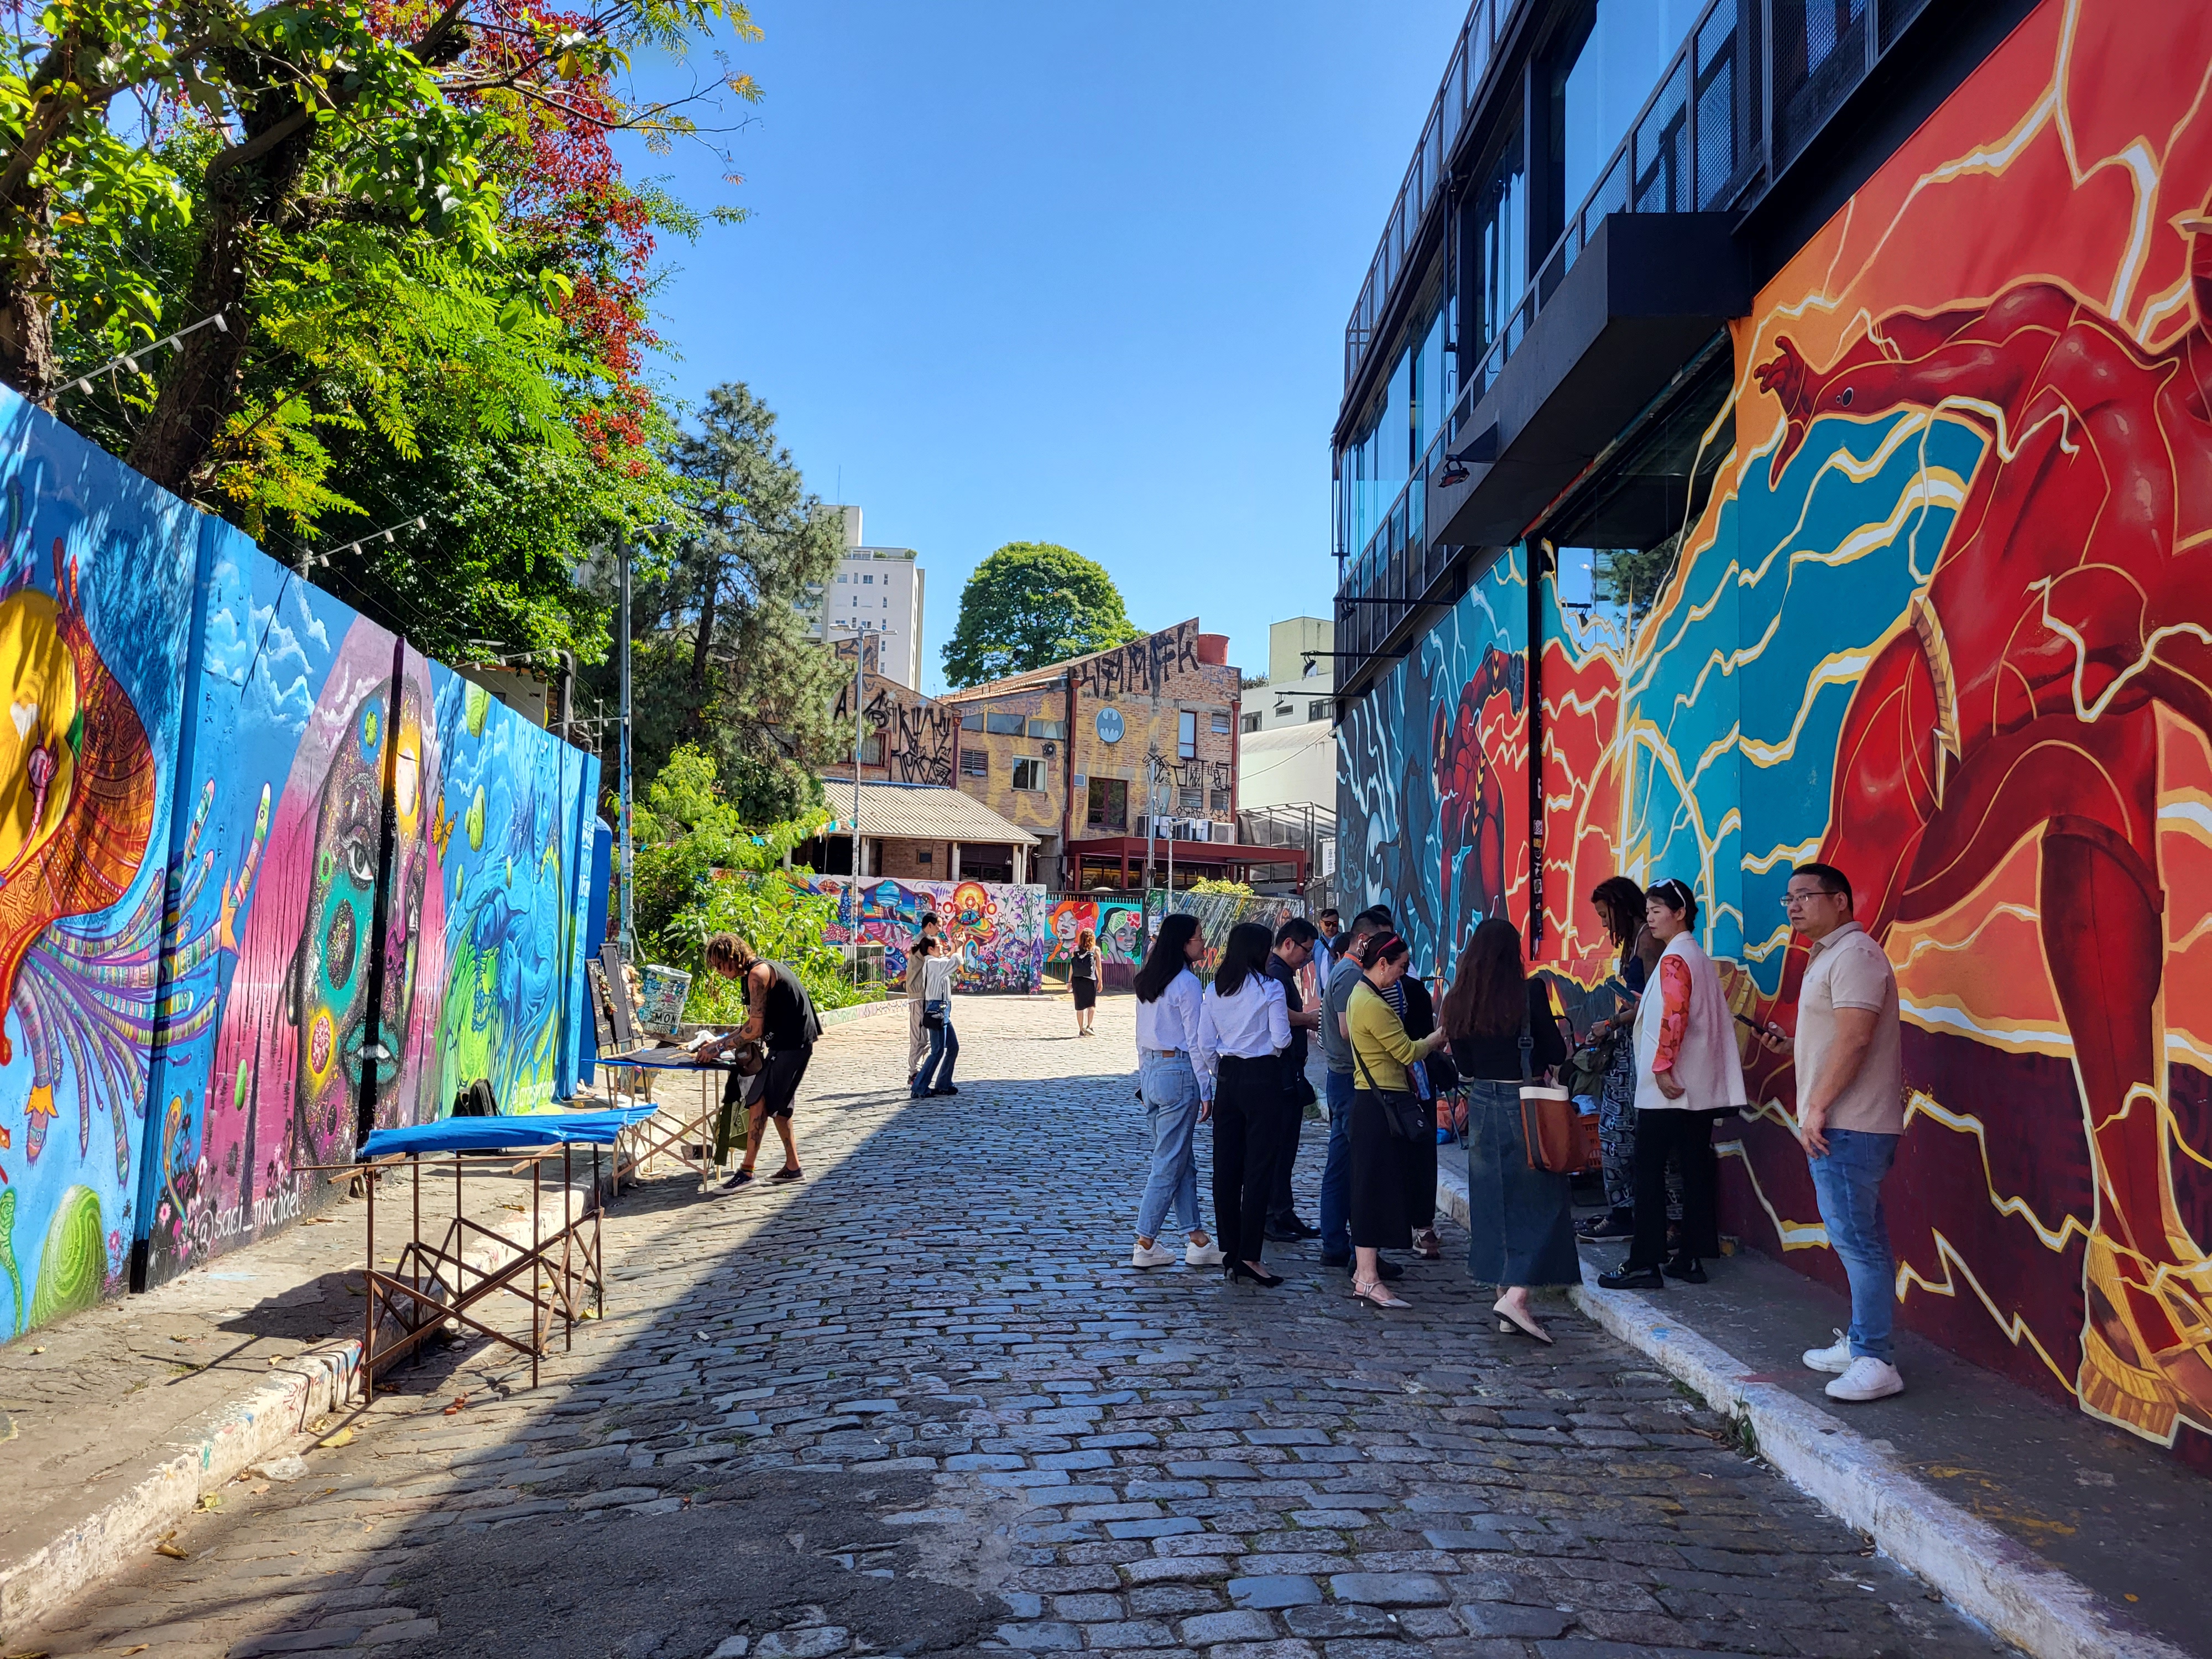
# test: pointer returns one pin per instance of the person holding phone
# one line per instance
(1849, 1056)
(1688, 1072)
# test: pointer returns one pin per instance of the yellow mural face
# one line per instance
(37, 764)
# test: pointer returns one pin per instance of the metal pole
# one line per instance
(622, 647)
(859, 727)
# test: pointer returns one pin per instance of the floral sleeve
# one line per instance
(1673, 1010)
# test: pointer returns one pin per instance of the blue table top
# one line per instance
(493, 1134)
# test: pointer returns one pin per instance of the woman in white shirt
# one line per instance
(1167, 996)
(1689, 1070)
(935, 971)
(1244, 1025)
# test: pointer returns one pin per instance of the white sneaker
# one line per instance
(1202, 1255)
(1835, 1358)
(1158, 1256)
(1869, 1378)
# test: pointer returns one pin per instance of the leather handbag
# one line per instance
(1549, 1127)
(1403, 1114)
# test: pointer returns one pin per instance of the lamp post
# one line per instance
(622, 651)
(859, 631)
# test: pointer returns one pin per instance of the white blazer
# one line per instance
(1708, 1065)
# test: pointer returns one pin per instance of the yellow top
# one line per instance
(1381, 1050)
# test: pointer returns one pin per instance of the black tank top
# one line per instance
(789, 1020)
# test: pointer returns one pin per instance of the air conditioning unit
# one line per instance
(1224, 832)
(1143, 826)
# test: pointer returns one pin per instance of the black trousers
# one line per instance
(1282, 1210)
(1248, 1134)
(1687, 1137)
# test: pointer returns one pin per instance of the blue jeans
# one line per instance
(1170, 1088)
(1336, 1174)
(1848, 1184)
(936, 1070)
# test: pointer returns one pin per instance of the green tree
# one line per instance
(1029, 604)
(720, 654)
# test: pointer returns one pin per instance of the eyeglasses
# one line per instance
(1788, 899)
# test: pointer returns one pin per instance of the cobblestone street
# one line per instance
(919, 1403)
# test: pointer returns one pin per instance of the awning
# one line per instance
(919, 811)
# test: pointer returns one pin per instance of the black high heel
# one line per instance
(1233, 1271)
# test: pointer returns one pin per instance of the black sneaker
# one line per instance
(945, 1089)
(738, 1178)
(1627, 1277)
(1687, 1269)
(1335, 1260)
(1298, 1227)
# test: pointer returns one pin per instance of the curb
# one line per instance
(263, 1421)
(851, 1012)
(1982, 1571)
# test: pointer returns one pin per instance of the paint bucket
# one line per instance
(662, 992)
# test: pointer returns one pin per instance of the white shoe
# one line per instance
(1158, 1256)
(1869, 1378)
(1835, 1358)
(1202, 1255)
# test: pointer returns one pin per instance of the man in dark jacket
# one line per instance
(1294, 948)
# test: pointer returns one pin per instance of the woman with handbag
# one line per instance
(1388, 1122)
(1504, 1037)
(1689, 1072)
(1167, 996)
(1619, 902)
(1432, 1078)
(1243, 1026)
(935, 972)
(1083, 979)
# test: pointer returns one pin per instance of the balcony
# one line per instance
(1644, 275)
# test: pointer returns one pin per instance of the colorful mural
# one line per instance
(1120, 927)
(236, 895)
(1945, 622)
(1217, 914)
(999, 930)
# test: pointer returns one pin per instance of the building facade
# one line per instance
(1777, 430)
(1140, 736)
(875, 590)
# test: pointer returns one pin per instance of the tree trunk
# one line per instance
(57, 93)
(705, 642)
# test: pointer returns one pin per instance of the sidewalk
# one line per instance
(2063, 1535)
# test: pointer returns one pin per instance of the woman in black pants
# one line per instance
(1244, 1023)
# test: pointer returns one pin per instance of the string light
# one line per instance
(385, 536)
(130, 360)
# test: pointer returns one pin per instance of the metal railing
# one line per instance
(1703, 139)
(1466, 84)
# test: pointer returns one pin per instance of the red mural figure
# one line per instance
(2073, 595)
(1470, 803)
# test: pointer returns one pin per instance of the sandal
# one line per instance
(1381, 1295)
(1427, 1246)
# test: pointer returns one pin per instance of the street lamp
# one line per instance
(859, 631)
(622, 649)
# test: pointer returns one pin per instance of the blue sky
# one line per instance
(1042, 272)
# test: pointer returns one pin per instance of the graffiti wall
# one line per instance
(1217, 914)
(1946, 622)
(1119, 927)
(998, 932)
(230, 908)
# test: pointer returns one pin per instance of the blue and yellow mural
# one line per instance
(1945, 622)
(234, 924)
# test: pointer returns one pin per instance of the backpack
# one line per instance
(476, 1100)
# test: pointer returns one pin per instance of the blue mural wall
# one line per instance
(265, 873)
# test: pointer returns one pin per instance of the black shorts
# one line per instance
(777, 1087)
(1086, 991)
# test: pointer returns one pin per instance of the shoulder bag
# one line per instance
(1403, 1115)
(1548, 1129)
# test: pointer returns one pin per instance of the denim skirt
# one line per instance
(1520, 1221)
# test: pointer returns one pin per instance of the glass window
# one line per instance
(1317, 710)
(872, 750)
(1251, 723)
(1028, 773)
(1221, 720)
(1502, 245)
(1006, 726)
(925, 855)
(971, 722)
(1615, 70)
(1217, 801)
(844, 578)
(868, 578)
(1048, 728)
(1186, 735)
(1109, 803)
(975, 762)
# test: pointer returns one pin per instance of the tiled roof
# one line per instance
(919, 812)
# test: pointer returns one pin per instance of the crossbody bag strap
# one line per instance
(1358, 1058)
(1527, 1040)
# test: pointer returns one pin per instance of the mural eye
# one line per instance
(1844, 398)
(359, 865)
(337, 946)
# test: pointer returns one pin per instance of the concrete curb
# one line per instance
(263, 1422)
(831, 1016)
(1980, 1571)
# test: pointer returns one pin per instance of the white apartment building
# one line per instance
(875, 590)
(1288, 741)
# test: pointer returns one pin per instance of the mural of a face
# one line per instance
(329, 988)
